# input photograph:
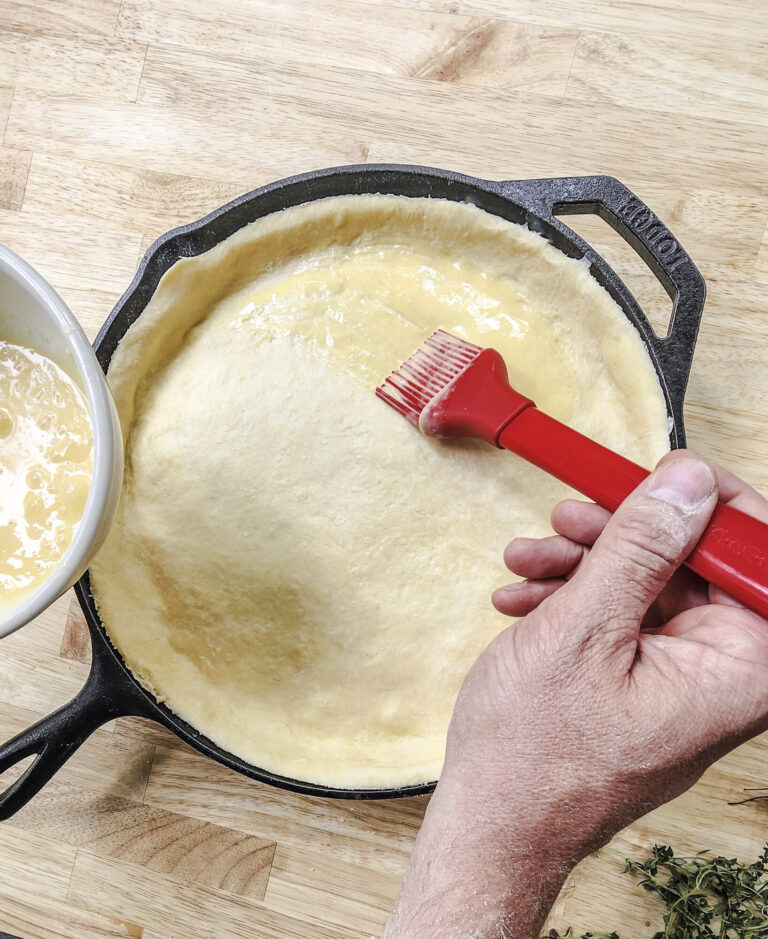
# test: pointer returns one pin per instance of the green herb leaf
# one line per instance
(704, 897)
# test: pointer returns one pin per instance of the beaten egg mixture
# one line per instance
(46, 457)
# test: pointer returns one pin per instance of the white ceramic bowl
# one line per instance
(33, 314)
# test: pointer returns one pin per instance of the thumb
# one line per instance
(644, 542)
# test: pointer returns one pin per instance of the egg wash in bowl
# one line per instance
(293, 568)
(46, 461)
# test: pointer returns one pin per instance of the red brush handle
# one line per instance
(733, 551)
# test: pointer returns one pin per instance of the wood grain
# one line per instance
(120, 119)
(761, 268)
(498, 54)
(6, 97)
(678, 18)
(64, 63)
(106, 763)
(186, 849)
(121, 198)
(303, 883)
(105, 260)
(71, 19)
(35, 877)
(76, 641)
(194, 910)
(704, 83)
(14, 169)
(38, 685)
(369, 834)
(437, 45)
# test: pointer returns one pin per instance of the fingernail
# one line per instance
(511, 588)
(686, 484)
(505, 593)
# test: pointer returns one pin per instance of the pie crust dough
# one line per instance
(293, 568)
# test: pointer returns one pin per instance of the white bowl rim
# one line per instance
(106, 446)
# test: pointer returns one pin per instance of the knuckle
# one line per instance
(649, 544)
(574, 623)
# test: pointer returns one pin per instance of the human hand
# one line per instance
(624, 680)
(686, 665)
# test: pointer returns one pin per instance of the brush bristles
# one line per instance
(431, 368)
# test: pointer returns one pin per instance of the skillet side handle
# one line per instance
(651, 239)
(105, 696)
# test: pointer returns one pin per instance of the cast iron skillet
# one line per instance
(111, 691)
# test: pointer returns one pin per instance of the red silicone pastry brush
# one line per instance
(452, 388)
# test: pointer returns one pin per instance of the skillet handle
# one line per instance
(652, 240)
(106, 695)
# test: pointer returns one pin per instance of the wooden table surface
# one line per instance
(119, 120)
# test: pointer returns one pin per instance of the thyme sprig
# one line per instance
(705, 897)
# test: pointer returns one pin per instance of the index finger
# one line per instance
(740, 495)
(731, 489)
